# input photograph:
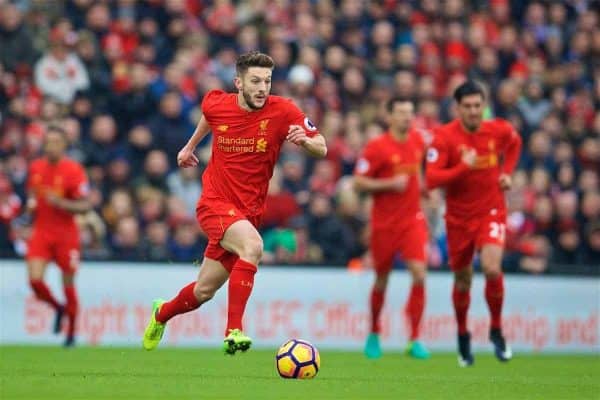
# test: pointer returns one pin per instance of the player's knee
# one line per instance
(34, 277)
(381, 281)
(462, 284)
(463, 279)
(418, 273)
(492, 271)
(203, 293)
(418, 278)
(492, 266)
(68, 279)
(252, 250)
(35, 272)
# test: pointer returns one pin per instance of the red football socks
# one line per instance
(71, 308)
(494, 295)
(461, 301)
(377, 300)
(241, 281)
(414, 309)
(184, 302)
(42, 292)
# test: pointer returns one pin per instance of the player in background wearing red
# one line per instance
(390, 169)
(57, 188)
(249, 128)
(473, 160)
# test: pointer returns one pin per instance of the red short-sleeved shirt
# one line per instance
(245, 148)
(385, 157)
(476, 192)
(66, 179)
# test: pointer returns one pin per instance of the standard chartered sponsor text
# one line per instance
(236, 145)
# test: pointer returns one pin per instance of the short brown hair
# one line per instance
(398, 99)
(56, 129)
(253, 59)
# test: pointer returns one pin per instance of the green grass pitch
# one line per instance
(125, 373)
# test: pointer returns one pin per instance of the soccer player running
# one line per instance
(249, 127)
(473, 160)
(390, 169)
(57, 188)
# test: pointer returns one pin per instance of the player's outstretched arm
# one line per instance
(314, 146)
(186, 157)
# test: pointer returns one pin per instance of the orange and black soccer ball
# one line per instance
(297, 359)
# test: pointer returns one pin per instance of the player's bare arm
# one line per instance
(314, 146)
(505, 181)
(186, 157)
(395, 183)
(31, 205)
(511, 156)
(77, 206)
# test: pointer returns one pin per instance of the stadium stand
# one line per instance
(125, 78)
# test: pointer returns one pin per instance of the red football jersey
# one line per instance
(245, 147)
(384, 157)
(66, 179)
(472, 193)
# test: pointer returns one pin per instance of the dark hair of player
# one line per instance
(57, 129)
(391, 102)
(467, 89)
(253, 59)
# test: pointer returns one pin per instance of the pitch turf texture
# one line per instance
(116, 373)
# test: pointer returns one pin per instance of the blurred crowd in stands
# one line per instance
(124, 78)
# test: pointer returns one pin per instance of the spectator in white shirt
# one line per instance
(60, 73)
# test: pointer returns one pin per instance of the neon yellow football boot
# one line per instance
(236, 340)
(155, 330)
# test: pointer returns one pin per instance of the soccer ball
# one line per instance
(297, 359)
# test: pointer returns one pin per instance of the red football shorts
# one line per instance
(408, 241)
(467, 236)
(60, 247)
(214, 219)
